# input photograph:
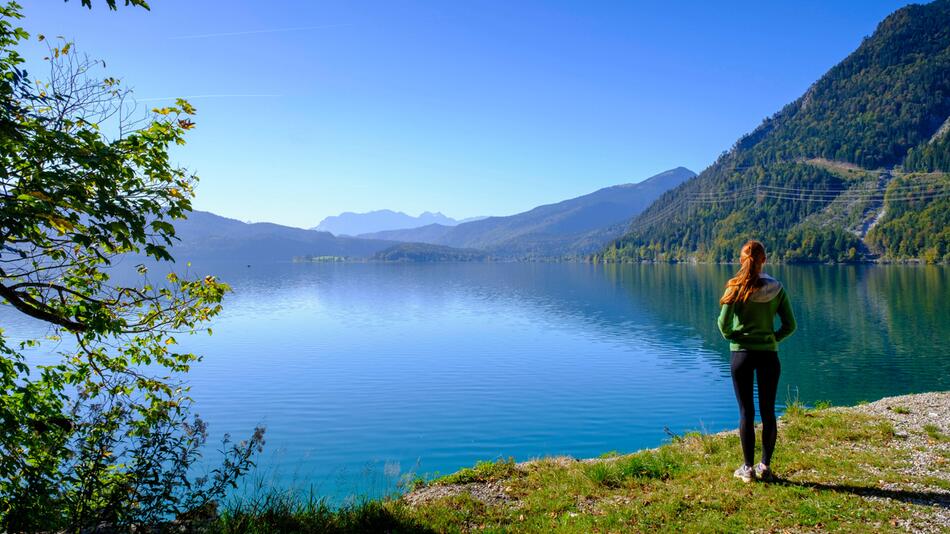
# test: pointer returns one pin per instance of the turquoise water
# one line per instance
(364, 373)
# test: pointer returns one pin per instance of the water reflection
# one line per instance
(364, 371)
(864, 331)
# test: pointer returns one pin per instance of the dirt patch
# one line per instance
(489, 493)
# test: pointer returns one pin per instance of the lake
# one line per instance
(364, 373)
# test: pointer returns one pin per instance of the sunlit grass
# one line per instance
(827, 461)
(482, 472)
(933, 431)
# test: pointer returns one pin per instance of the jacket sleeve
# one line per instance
(787, 318)
(726, 315)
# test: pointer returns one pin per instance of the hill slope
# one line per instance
(854, 169)
(432, 234)
(576, 226)
(206, 236)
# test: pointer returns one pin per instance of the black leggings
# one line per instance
(764, 364)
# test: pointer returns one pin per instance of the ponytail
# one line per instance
(741, 286)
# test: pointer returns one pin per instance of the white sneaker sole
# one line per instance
(744, 478)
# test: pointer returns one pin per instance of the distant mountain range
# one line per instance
(350, 223)
(857, 168)
(570, 228)
(576, 226)
(206, 236)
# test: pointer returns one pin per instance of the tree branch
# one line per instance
(37, 310)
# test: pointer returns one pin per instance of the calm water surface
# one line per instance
(363, 373)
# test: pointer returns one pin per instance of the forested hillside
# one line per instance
(854, 169)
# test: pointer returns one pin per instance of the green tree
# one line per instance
(103, 433)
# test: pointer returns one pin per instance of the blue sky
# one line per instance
(307, 108)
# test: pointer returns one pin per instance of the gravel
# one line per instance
(910, 414)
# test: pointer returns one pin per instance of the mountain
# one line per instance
(854, 169)
(349, 223)
(577, 226)
(206, 236)
(432, 233)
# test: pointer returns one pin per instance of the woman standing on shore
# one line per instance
(749, 305)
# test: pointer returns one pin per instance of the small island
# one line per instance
(423, 252)
(320, 259)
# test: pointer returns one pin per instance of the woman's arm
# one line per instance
(787, 317)
(725, 321)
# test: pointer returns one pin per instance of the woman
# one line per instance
(749, 306)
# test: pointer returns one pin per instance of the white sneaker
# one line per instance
(745, 473)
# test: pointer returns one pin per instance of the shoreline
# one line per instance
(912, 470)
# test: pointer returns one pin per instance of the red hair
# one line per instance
(741, 286)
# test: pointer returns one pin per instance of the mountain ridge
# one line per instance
(561, 228)
(207, 236)
(351, 223)
(572, 227)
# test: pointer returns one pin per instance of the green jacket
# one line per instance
(750, 325)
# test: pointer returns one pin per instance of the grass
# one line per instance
(660, 464)
(828, 462)
(933, 431)
(899, 409)
(482, 472)
(286, 512)
(795, 407)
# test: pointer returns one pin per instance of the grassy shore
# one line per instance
(882, 467)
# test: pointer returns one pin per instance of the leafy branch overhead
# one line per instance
(83, 182)
(112, 3)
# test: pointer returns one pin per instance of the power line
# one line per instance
(808, 197)
(813, 191)
(853, 193)
(826, 196)
(851, 189)
(882, 197)
(761, 191)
